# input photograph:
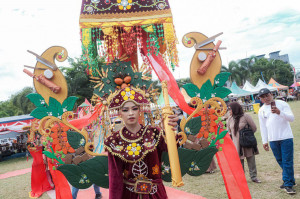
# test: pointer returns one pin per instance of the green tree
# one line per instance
(17, 104)
(276, 69)
(245, 68)
(22, 102)
(236, 74)
(77, 79)
(8, 109)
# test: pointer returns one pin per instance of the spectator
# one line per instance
(237, 121)
(274, 118)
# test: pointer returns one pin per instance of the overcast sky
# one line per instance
(250, 28)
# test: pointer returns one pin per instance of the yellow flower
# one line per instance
(133, 144)
(129, 1)
(136, 153)
(119, 1)
(123, 93)
(138, 148)
(131, 97)
(125, 98)
(130, 152)
(129, 148)
(121, 7)
(128, 7)
(132, 92)
(127, 89)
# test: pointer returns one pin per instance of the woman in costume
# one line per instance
(134, 158)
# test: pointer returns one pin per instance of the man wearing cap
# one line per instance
(274, 117)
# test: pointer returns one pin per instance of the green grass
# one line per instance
(15, 164)
(210, 186)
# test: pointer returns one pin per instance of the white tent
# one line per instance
(249, 87)
(260, 84)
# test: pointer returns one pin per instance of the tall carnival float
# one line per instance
(134, 38)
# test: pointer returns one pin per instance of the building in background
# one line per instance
(274, 56)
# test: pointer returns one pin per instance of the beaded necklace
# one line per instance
(131, 141)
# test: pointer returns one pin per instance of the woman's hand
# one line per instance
(172, 121)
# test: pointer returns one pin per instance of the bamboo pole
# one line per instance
(170, 140)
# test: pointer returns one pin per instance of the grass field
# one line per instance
(210, 186)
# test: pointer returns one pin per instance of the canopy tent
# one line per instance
(161, 101)
(14, 123)
(275, 84)
(260, 84)
(249, 87)
(296, 84)
(237, 91)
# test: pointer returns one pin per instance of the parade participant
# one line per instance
(134, 158)
(274, 117)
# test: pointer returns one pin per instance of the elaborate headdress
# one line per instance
(128, 94)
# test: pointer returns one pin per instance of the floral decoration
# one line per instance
(194, 167)
(84, 179)
(128, 94)
(155, 170)
(133, 149)
(144, 187)
(124, 4)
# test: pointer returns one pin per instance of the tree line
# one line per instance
(251, 69)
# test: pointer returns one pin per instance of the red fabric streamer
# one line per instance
(62, 188)
(232, 171)
(87, 119)
(228, 159)
(39, 181)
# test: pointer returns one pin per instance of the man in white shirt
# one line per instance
(274, 118)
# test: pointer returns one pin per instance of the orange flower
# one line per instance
(144, 187)
(155, 170)
(60, 140)
(200, 135)
(206, 134)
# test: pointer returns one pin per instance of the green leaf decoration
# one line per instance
(191, 89)
(39, 112)
(202, 160)
(69, 103)
(185, 158)
(221, 92)
(222, 134)
(49, 154)
(37, 99)
(219, 136)
(55, 107)
(194, 125)
(221, 78)
(96, 170)
(75, 139)
(75, 176)
(206, 90)
(165, 167)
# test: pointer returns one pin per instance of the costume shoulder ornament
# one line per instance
(132, 148)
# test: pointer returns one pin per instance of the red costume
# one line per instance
(134, 164)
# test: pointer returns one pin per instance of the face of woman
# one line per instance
(229, 110)
(130, 113)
